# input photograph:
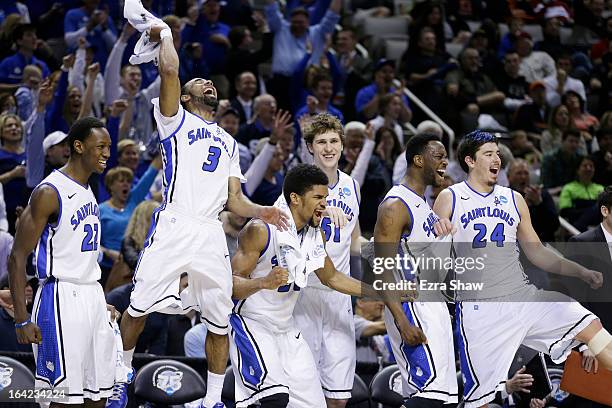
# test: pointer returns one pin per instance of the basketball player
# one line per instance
(201, 177)
(508, 311)
(73, 342)
(324, 316)
(272, 362)
(404, 218)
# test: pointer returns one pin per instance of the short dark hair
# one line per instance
(81, 129)
(570, 133)
(299, 10)
(21, 29)
(236, 35)
(319, 77)
(302, 178)
(470, 145)
(417, 143)
(605, 198)
(323, 123)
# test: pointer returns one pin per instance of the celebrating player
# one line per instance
(73, 342)
(508, 311)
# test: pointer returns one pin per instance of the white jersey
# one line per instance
(198, 157)
(344, 195)
(487, 226)
(273, 308)
(68, 248)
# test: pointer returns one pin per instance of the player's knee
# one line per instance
(275, 401)
(418, 402)
(336, 403)
(600, 341)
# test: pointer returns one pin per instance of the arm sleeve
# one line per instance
(76, 76)
(256, 172)
(319, 11)
(235, 170)
(112, 73)
(141, 189)
(35, 134)
(335, 71)
(167, 126)
(327, 24)
(274, 17)
(25, 103)
(363, 160)
(72, 32)
(54, 120)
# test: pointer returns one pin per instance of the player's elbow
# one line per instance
(169, 70)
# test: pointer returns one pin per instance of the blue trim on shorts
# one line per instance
(252, 372)
(170, 166)
(469, 378)
(49, 362)
(417, 357)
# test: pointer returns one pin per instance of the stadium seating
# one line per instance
(168, 382)
(385, 386)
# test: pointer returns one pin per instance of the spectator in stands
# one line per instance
(389, 108)
(541, 205)
(578, 197)
(509, 40)
(488, 55)
(589, 24)
(532, 116)
(430, 14)
(320, 99)
(523, 148)
(511, 83)
(7, 30)
(355, 67)
(387, 148)
(213, 37)
(290, 38)
(242, 57)
(599, 48)
(128, 155)
(261, 123)
(246, 88)
(12, 166)
(551, 43)
(603, 157)
(369, 331)
(559, 166)
(271, 185)
(8, 340)
(11, 68)
(579, 118)
(535, 65)
(470, 90)
(27, 93)
(229, 120)
(562, 82)
(115, 213)
(367, 101)
(558, 122)
(93, 24)
(126, 83)
(8, 103)
(77, 75)
(424, 69)
(136, 232)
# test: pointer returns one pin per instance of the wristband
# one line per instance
(22, 324)
(166, 32)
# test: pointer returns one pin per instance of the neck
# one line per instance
(245, 98)
(13, 147)
(322, 106)
(414, 182)
(607, 225)
(27, 53)
(331, 173)
(204, 112)
(267, 123)
(584, 182)
(299, 222)
(117, 202)
(479, 186)
(76, 171)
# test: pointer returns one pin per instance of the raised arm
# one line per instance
(170, 87)
(251, 242)
(35, 134)
(43, 204)
(92, 73)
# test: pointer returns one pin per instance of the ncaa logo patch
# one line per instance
(503, 199)
(555, 375)
(168, 379)
(6, 372)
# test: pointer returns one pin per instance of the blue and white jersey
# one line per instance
(68, 249)
(343, 195)
(199, 157)
(487, 226)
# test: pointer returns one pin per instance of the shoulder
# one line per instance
(255, 235)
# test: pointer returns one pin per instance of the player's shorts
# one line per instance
(77, 355)
(428, 370)
(325, 318)
(489, 333)
(268, 362)
(180, 243)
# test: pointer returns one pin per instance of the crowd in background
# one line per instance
(538, 73)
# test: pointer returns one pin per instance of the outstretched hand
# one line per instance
(274, 216)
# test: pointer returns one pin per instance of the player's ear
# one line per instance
(604, 211)
(78, 146)
(309, 147)
(470, 161)
(295, 199)
(185, 98)
(418, 160)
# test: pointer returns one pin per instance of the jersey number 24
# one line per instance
(497, 235)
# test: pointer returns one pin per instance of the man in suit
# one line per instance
(246, 88)
(597, 255)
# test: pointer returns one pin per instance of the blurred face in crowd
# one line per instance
(385, 74)
(266, 107)
(132, 77)
(427, 41)
(394, 108)
(247, 85)
(551, 27)
(518, 176)
(586, 171)
(516, 26)
(326, 149)
(299, 24)
(512, 64)
(28, 41)
(9, 105)
(435, 16)
(278, 158)
(523, 46)
(129, 157)
(211, 11)
(573, 102)
(565, 64)
(58, 155)
(605, 142)
(91, 4)
(470, 60)
(286, 143)
(538, 95)
(230, 123)
(120, 189)
(480, 42)
(387, 141)
(345, 42)
(597, 7)
(562, 118)
(74, 100)
(354, 142)
(11, 130)
(33, 79)
(370, 309)
(571, 144)
(323, 91)
(520, 142)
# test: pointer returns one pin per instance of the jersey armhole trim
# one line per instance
(356, 193)
(453, 207)
(234, 149)
(263, 251)
(59, 199)
(407, 207)
(515, 207)
(177, 129)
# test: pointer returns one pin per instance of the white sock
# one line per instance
(214, 386)
(127, 357)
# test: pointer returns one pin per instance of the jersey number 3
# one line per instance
(497, 235)
(90, 242)
(212, 161)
